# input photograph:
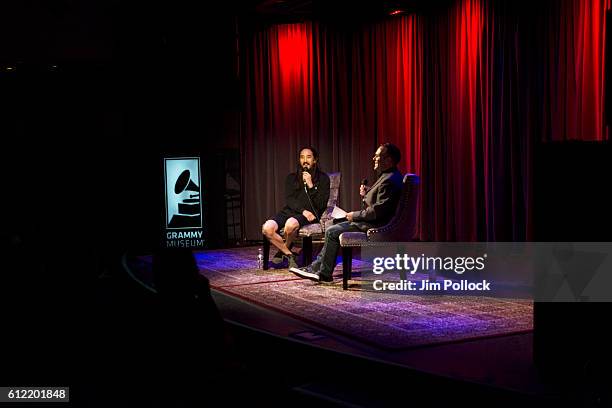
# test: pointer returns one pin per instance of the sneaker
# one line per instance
(292, 260)
(308, 273)
(277, 259)
(326, 279)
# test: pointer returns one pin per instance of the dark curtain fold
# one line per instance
(465, 92)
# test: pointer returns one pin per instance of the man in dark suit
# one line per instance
(380, 201)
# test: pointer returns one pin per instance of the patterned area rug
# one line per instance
(385, 320)
(237, 266)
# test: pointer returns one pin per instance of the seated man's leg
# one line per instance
(326, 262)
(292, 226)
(270, 230)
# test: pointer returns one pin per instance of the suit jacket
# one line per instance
(381, 201)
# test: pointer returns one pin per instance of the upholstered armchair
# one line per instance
(401, 228)
(312, 233)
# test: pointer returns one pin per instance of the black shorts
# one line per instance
(282, 217)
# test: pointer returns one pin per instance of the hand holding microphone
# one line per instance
(363, 188)
(307, 177)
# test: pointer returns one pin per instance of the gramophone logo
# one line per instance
(183, 200)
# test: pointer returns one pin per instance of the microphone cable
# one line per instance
(311, 204)
(310, 201)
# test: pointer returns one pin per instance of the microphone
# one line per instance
(305, 170)
(364, 182)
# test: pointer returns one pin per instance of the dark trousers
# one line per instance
(326, 261)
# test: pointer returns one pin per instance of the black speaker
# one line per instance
(571, 202)
(222, 202)
(571, 205)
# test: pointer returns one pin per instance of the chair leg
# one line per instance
(306, 251)
(266, 252)
(347, 263)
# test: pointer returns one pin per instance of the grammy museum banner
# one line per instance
(184, 222)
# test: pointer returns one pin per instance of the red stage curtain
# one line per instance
(310, 84)
(454, 180)
(297, 94)
(278, 92)
(574, 70)
(476, 149)
(387, 104)
(465, 92)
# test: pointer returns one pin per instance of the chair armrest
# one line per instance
(326, 219)
(384, 233)
(378, 233)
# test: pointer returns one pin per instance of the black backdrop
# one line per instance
(94, 94)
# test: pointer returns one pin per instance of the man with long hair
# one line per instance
(306, 195)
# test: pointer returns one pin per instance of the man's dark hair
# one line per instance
(393, 152)
(314, 151)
